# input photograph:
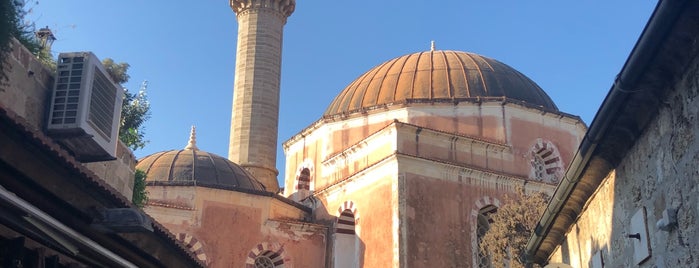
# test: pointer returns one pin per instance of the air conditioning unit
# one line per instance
(85, 107)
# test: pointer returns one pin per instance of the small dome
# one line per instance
(191, 166)
(438, 76)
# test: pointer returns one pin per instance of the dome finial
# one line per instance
(192, 144)
(432, 45)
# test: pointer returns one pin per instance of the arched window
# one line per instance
(345, 223)
(267, 259)
(193, 245)
(483, 225)
(545, 161)
(267, 255)
(346, 243)
(303, 181)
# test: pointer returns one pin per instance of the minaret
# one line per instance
(254, 123)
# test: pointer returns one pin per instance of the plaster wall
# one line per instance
(441, 207)
(492, 136)
(661, 171)
(373, 194)
(229, 224)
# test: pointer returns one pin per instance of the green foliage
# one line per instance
(140, 195)
(134, 112)
(117, 71)
(513, 224)
(12, 24)
(135, 109)
(46, 58)
(22, 30)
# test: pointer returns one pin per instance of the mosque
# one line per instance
(403, 169)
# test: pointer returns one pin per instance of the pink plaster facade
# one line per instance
(418, 174)
(228, 225)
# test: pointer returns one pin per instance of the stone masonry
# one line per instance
(255, 115)
(27, 92)
(660, 172)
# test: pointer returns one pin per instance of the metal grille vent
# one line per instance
(102, 104)
(67, 95)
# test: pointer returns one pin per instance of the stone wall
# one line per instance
(660, 172)
(27, 92)
(255, 116)
(117, 173)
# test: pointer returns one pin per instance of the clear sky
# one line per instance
(186, 51)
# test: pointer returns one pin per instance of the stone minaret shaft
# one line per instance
(254, 123)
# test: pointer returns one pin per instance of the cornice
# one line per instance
(282, 7)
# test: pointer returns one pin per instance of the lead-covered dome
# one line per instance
(438, 76)
(192, 166)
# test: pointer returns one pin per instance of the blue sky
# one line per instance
(186, 51)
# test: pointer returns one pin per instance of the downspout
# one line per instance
(662, 20)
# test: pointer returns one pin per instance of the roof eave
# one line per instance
(660, 53)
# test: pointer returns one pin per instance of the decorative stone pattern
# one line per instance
(273, 251)
(304, 180)
(546, 164)
(284, 7)
(347, 219)
(660, 172)
(194, 245)
(304, 185)
(255, 115)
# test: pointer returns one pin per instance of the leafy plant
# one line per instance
(513, 223)
(135, 109)
(13, 24)
(140, 195)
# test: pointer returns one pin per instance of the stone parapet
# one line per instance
(27, 92)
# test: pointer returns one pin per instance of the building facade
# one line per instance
(54, 209)
(402, 170)
(412, 152)
(632, 199)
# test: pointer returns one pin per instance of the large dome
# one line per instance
(438, 76)
(192, 166)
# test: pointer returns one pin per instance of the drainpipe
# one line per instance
(655, 32)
